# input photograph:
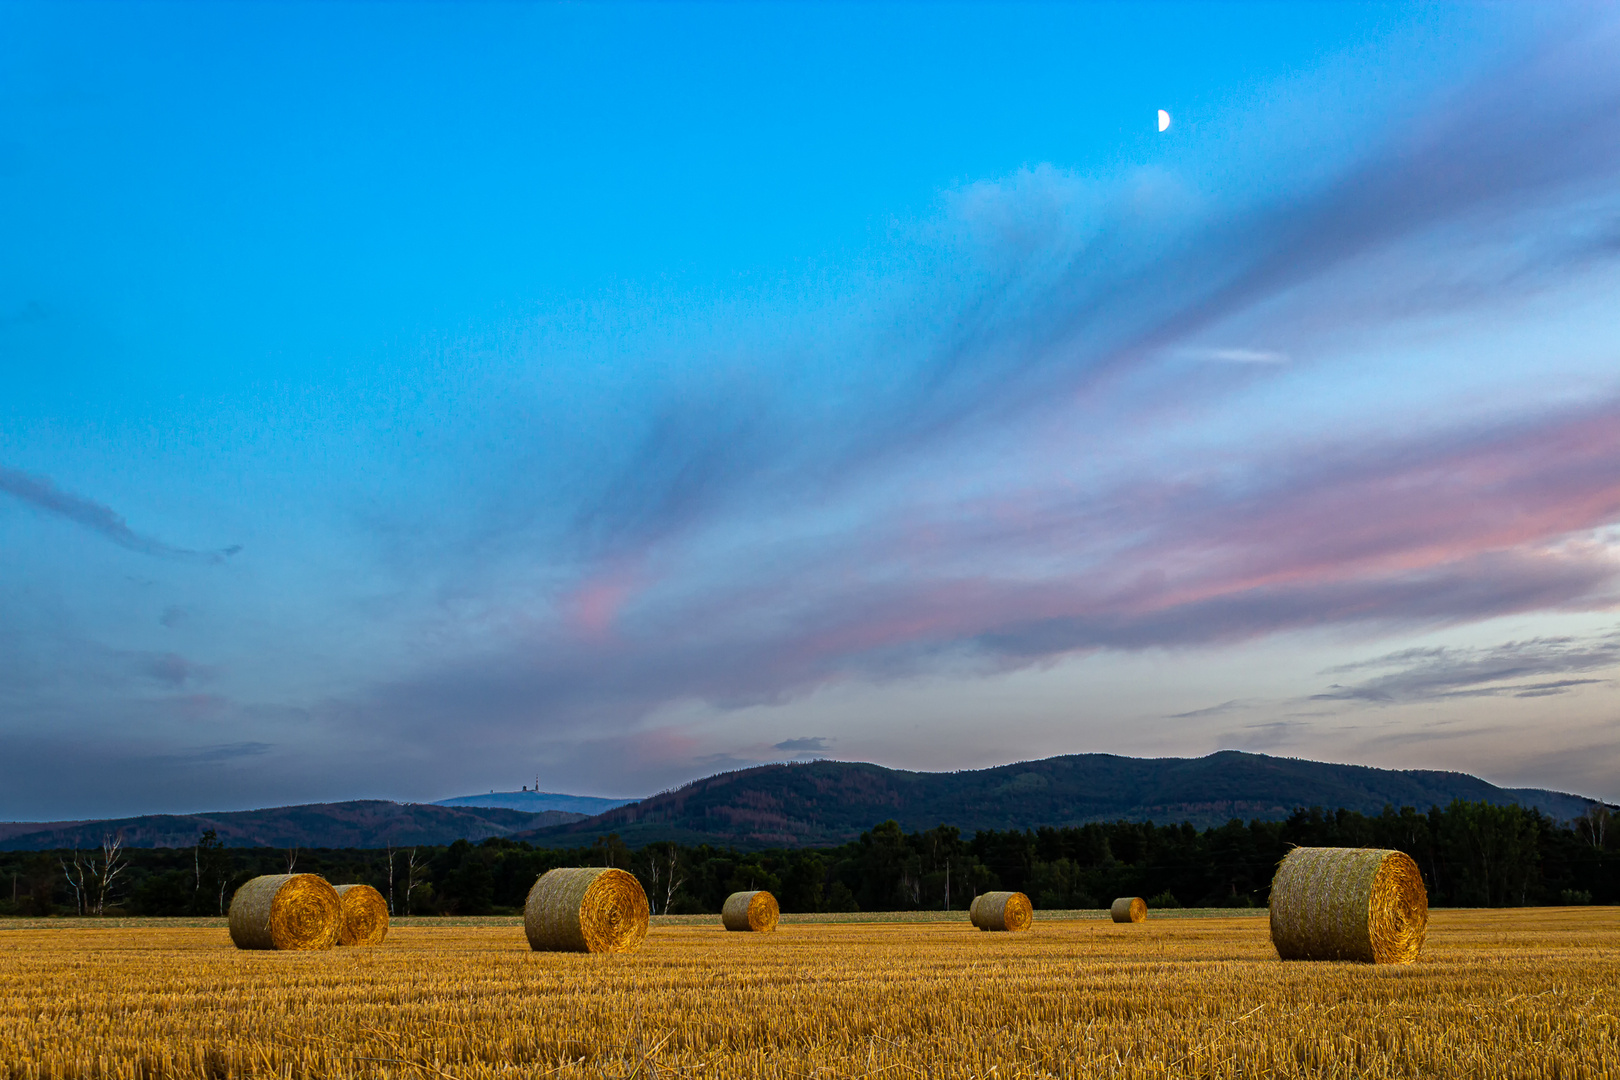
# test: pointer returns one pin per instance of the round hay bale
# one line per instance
(585, 909)
(365, 915)
(286, 911)
(756, 911)
(1348, 904)
(1128, 909)
(1001, 911)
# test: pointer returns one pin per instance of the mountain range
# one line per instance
(370, 823)
(832, 802)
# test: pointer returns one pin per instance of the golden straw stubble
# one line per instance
(1128, 909)
(596, 909)
(1361, 904)
(756, 911)
(1001, 911)
(365, 915)
(286, 911)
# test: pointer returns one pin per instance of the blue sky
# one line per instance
(409, 400)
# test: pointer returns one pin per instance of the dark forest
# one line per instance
(1471, 854)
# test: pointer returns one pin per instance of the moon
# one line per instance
(1164, 120)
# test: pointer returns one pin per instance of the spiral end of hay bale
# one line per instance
(1001, 911)
(365, 915)
(1128, 909)
(586, 909)
(286, 911)
(756, 911)
(1360, 904)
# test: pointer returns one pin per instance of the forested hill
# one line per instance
(369, 823)
(832, 802)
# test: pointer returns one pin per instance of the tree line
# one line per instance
(1471, 855)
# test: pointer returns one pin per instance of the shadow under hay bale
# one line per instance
(756, 911)
(365, 915)
(1001, 911)
(585, 909)
(1128, 909)
(1348, 904)
(286, 911)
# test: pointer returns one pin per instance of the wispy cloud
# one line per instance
(1536, 142)
(1515, 668)
(171, 669)
(230, 751)
(1212, 710)
(40, 493)
(1001, 469)
(816, 744)
(931, 517)
(1235, 356)
(1429, 532)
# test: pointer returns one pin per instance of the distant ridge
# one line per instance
(369, 823)
(536, 802)
(832, 802)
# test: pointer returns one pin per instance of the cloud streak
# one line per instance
(1536, 138)
(807, 745)
(934, 520)
(41, 494)
(1512, 669)
(1113, 414)
(1226, 562)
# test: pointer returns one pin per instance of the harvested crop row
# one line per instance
(1496, 995)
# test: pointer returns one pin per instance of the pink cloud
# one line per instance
(1430, 530)
(594, 606)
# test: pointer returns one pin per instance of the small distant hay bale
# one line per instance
(286, 911)
(595, 909)
(365, 915)
(1128, 909)
(1348, 904)
(1001, 911)
(756, 911)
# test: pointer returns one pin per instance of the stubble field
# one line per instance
(1514, 994)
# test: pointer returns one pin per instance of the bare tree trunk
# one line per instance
(113, 862)
(76, 885)
(390, 879)
(292, 858)
(410, 878)
(1594, 823)
(672, 878)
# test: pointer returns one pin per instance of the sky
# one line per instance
(411, 400)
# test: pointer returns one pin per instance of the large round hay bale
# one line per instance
(585, 909)
(1348, 904)
(756, 911)
(1001, 911)
(1128, 909)
(286, 911)
(365, 915)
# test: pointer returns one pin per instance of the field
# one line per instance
(1514, 994)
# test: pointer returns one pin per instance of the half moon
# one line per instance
(1164, 120)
